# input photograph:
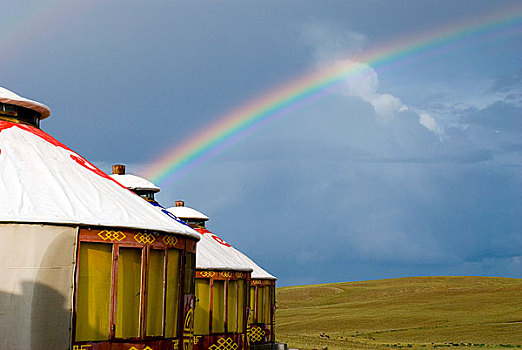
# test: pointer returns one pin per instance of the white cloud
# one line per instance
(386, 105)
(429, 123)
(365, 85)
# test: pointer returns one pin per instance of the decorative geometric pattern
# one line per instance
(146, 238)
(208, 274)
(112, 235)
(188, 343)
(170, 240)
(256, 282)
(226, 274)
(145, 348)
(188, 322)
(175, 344)
(256, 334)
(224, 344)
(196, 339)
(239, 275)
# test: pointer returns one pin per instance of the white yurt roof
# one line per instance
(257, 271)
(43, 181)
(215, 254)
(10, 97)
(187, 213)
(134, 182)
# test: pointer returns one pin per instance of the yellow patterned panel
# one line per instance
(170, 240)
(224, 344)
(208, 274)
(112, 235)
(146, 238)
(226, 274)
(256, 334)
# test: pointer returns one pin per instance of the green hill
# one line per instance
(414, 313)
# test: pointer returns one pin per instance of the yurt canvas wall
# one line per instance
(37, 273)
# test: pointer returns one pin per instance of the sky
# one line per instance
(412, 168)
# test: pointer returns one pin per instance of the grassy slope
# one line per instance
(415, 313)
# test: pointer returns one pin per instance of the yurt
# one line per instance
(222, 288)
(260, 328)
(222, 279)
(84, 262)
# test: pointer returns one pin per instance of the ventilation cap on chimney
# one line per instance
(9, 97)
(132, 182)
(183, 212)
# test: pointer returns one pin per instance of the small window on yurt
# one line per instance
(232, 307)
(241, 305)
(94, 292)
(172, 301)
(8, 109)
(128, 295)
(195, 222)
(202, 311)
(155, 296)
(19, 114)
(218, 307)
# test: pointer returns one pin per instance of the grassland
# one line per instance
(408, 313)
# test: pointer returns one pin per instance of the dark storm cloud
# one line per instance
(498, 116)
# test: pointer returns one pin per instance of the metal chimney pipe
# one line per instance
(118, 169)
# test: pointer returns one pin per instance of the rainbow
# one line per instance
(234, 126)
